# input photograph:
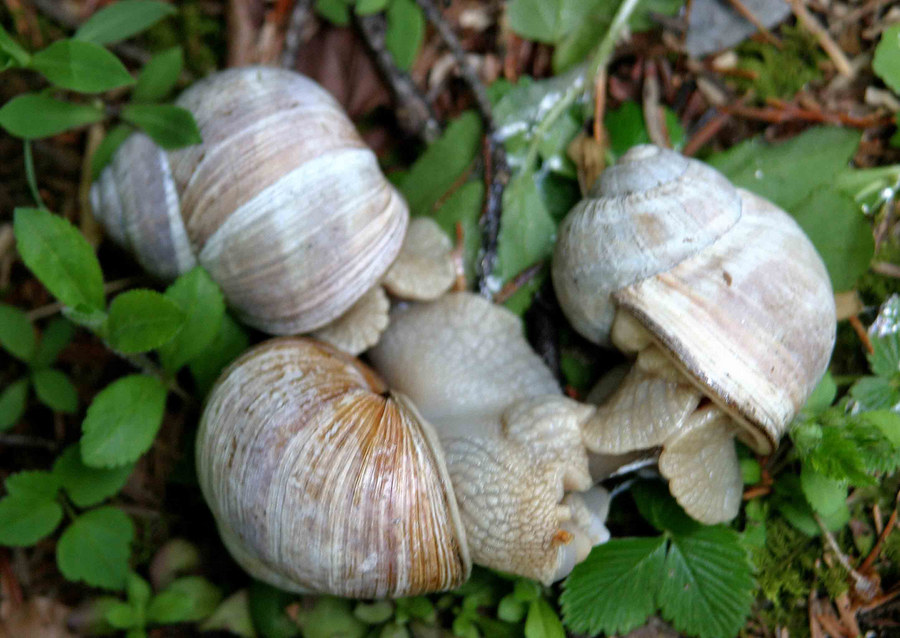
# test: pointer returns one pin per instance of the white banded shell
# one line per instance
(282, 203)
(723, 280)
(321, 480)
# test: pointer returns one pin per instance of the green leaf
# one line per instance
(542, 621)
(822, 395)
(405, 32)
(55, 337)
(825, 495)
(170, 126)
(614, 589)
(187, 599)
(12, 403)
(81, 66)
(159, 76)
(122, 421)
(60, 257)
(18, 116)
(122, 20)
(510, 610)
(229, 342)
(527, 231)
(55, 390)
(789, 172)
(122, 616)
(840, 233)
(368, 7)
(526, 590)
(874, 393)
(267, 605)
(140, 320)
(137, 590)
(87, 486)
(38, 486)
(16, 333)
(95, 548)
(464, 207)
(12, 48)
(656, 504)
(707, 588)
(886, 63)
(113, 139)
(550, 20)
(335, 11)
(442, 163)
(374, 613)
(25, 520)
(887, 422)
(202, 302)
(232, 615)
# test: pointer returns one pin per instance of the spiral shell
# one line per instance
(282, 203)
(724, 281)
(321, 480)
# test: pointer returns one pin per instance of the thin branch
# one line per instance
(750, 17)
(413, 111)
(294, 37)
(496, 177)
(23, 440)
(837, 55)
(861, 582)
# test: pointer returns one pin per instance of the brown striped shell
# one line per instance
(724, 281)
(282, 203)
(322, 480)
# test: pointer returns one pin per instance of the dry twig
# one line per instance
(837, 55)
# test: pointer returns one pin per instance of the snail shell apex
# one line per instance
(322, 481)
(282, 203)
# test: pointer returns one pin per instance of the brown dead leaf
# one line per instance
(40, 616)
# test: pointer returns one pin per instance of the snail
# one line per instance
(723, 302)
(283, 205)
(324, 476)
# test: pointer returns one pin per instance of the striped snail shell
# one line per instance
(282, 203)
(719, 294)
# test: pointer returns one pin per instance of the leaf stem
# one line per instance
(31, 176)
(604, 51)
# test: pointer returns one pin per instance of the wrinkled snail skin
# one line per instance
(512, 442)
(282, 203)
(735, 308)
(322, 480)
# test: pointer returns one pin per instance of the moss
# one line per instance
(781, 72)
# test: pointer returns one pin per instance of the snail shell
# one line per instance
(322, 480)
(723, 281)
(282, 203)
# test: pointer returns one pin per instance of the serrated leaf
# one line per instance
(614, 589)
(87, 486)
(96, 547)
(122, 20)
(56, 336)
(17, 116)
(122, 421)
(60, 257)
(187, 599)
(542, 621)
(875, 393)
(886, 63)
(24, 520)
(657, 506)
(825, 495)
(140, 320)
(442, 163)
(35, 485)
(81, 66)
(707, 588)
(198, 296)
(55, 390)
(170, 126)
(12, 403)
(405, 32)
(887, 422)
(113, 139)
(159, 76)
(229, 342)
(16, 332)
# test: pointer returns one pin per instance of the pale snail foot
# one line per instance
(424, 269)
(360, 327)
(656, 406)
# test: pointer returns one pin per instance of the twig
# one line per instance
(654, 117)
(23, 440)
(512, 286)
(862, 583)
(706, 133)
(459, 251)
(433, 14)
(790, 112)
(413, 112)
(861, 333)
(496, 177)
(294, 36)
(882, 537)
(841, 63)
(750, 17)
(887, 269)
(599, 105)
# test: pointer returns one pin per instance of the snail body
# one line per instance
(324, 477)
(719, 295)
(282, 203)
